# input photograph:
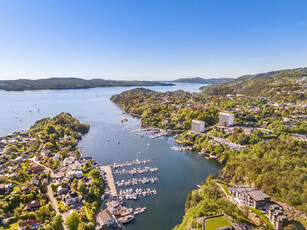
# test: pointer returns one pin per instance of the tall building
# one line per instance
(226, 119)
(198, 126)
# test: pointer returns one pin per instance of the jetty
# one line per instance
(130, 194)
(179, 149)
(129, 163)
(136, 171)
(161, 134)
(136, 181)
(110, 179)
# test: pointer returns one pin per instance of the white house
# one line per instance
(68, 161)
(16, 160)
(198, 126)
(74, 174)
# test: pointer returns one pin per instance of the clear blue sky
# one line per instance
(150, 39)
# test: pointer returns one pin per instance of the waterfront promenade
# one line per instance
(109, 176)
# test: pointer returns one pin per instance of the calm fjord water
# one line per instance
(178, 172)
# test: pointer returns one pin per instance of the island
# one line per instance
(255, 126)
(70, 83)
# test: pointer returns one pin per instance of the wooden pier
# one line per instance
(129, 163)
(141, 193)
(135, 171)
(136, 181)
(109, 176)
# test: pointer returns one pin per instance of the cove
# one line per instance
(178, 172)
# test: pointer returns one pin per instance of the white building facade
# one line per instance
(226, 119)
(198, 126)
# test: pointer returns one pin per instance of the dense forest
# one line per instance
(69, 83)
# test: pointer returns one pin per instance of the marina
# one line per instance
(114, 199)
(161, 134)
(129, 163)
(130, 194)
(107, 125)
(180, 149)
(136, 171)
(136, 181)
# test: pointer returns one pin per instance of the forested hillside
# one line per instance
(69, 83)
(284, 84)
(270, 123)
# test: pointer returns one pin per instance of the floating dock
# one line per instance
(129, 163)
(135, 171)
(135, 181)
(129, 194)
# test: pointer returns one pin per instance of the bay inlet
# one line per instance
(178, 172)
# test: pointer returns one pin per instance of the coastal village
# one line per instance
(46, 183)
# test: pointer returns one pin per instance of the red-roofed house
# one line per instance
(33, 224)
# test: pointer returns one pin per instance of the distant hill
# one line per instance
(281, 83)
(70, 83)
(199, 80)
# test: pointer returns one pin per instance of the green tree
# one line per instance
(81, 187)
(95, 174)
(72, 222)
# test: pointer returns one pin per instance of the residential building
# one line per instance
(74, 174)
(72, 198)
(106, 219)
(32, 206)
(198, 126)
(4, 188)
(33, 224)
(63, 188)
(277, 216)
(226, 119)
(36, 169)
(249, 196)
(68, 161)
(35, 180)
(16, 160)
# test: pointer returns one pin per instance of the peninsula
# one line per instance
(45, 183)
(70, 83)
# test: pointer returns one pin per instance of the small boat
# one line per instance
(30, 110)
(118, 141)
(148, 144)
(108, 139)
(126, 219)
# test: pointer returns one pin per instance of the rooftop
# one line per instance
(258, 195)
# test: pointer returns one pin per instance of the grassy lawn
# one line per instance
(224, 186)
(12, 226)
(263, 217)
(215, 223)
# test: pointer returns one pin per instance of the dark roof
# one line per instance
(32, 204)
(37, 168)
(74, 195)
(258, 195)
(29, 222)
